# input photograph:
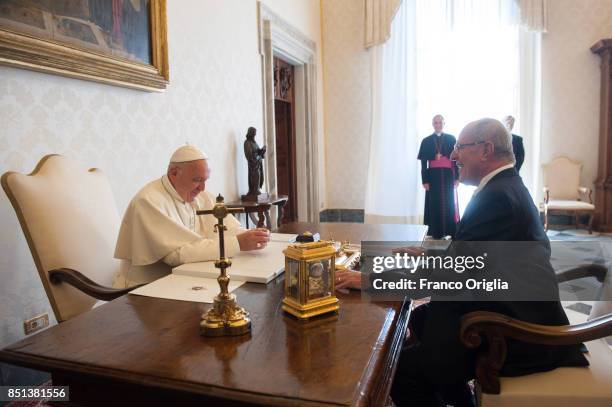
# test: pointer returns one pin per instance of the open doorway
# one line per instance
(280, 41)
(284, 126)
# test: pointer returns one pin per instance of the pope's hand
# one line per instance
(348, 279)
(253, 239)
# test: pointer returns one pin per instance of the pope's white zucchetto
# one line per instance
(187, 153)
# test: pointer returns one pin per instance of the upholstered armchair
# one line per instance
(70, 221)
(563, 193)
(565, 386)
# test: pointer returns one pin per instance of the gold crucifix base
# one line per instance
(225, 318)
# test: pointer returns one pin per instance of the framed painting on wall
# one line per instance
(119, 42)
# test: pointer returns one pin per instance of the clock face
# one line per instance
(318, 279)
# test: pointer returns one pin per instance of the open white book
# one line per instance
(257, 266)
(283, 237)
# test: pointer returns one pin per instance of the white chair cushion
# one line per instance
(570, 205)
(563, 387)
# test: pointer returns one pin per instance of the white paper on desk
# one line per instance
(184, 288)
(256, 266)
(283, 237)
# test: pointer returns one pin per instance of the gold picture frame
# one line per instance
(43, 47)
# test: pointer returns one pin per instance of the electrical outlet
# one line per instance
(36, 324)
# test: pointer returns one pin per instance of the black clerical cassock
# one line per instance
(437, 170)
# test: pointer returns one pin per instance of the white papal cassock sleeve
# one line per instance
(202, 250)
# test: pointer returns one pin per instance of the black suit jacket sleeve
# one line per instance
(424, 172)
(426, 152)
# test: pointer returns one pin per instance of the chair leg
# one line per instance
(590, 225)
(577, 219)
(545, 219)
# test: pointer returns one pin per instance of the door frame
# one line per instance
(278, 38)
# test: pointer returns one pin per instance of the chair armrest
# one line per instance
(584, 270)
(495, 328)
(546, 191)
(586, 191)
(84, 284)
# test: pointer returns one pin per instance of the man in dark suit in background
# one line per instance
(517, 143)
(437, 368)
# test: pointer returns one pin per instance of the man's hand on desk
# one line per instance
(253, 239)
(348, 279)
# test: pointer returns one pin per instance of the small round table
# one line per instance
(262, 208)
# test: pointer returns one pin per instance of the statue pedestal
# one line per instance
(263, 198)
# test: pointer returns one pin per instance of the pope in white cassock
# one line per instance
(160, 228)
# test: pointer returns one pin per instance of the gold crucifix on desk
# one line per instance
(225, 317)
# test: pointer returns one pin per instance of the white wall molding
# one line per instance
(278, 38)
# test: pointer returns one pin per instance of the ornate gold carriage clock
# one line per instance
(310, 279)
(225, 317)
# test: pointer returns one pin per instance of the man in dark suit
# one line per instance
(517, 143)
(437, 368)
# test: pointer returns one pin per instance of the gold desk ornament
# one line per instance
(348, 255)
(225, 317)
(310, 279)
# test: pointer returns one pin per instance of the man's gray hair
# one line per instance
(492, 130)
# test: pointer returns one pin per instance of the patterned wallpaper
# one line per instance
(571, 81)
(570, 91)
(213, 97)
(346, 66)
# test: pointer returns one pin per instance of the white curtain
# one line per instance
(530, 111)
(464, 59)
(468, 59)
(534, 14)
(378, 17)
(393, 192)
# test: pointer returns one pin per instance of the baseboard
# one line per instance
(342, 215)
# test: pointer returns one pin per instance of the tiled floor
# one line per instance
(578, 311)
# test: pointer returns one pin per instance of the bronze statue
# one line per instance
(254, 156)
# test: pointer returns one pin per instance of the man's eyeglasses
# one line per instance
(464, 145)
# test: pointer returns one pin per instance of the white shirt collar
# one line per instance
(490, 175)
(438, 134)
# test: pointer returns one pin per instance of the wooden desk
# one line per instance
(146, 351)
